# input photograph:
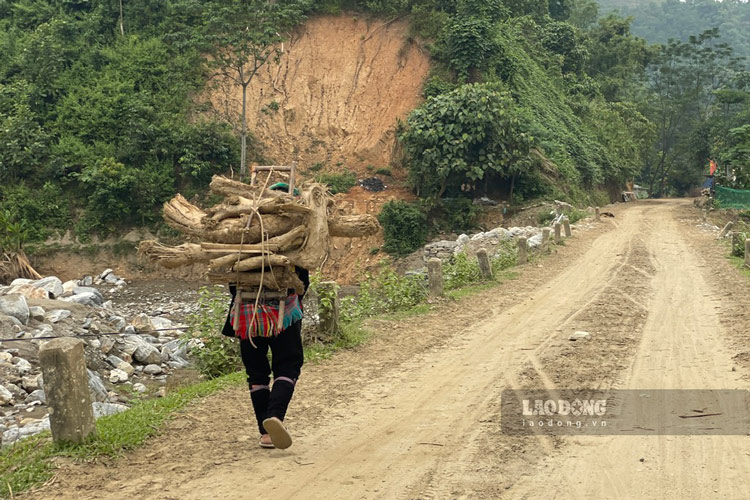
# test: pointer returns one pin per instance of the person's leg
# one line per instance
(258, 372)
(286, 361)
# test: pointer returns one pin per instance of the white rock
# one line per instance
(152, 369)
(579, 335)
(52, 284)
(106, 409)
(139, 388)
(6, 397)
(96, 386)
(69, 288)
(126, 367)
(34, 427)
(117, 376)
(20, 281)
(57, 315)
(22, 366)
(105, 273)
(15, 305)
(37, 395)
(142, 322)
(31, 382)
(37, 313)
(5, 357)
(86, 298)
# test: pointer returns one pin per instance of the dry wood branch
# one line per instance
(314, 251)
(273, 279)
(254, 263)
(237, 206)
(228, 187)
(353, 226)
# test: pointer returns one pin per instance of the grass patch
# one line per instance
(30, 462)
(739, 263)
(469, 290)
(352, 335)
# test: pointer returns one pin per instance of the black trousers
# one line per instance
(286, 363)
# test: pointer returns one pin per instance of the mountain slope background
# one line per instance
(659, 21)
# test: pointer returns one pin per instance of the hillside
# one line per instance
(659, 21)
(336, 95)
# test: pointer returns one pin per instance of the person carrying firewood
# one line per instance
(264, 321)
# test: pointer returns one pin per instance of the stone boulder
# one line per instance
(52, 284)
(14, 305)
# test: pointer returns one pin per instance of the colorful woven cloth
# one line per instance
(264, 322)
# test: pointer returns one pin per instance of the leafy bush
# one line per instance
(405, 227)
(386, 291)
(738, 243)
(464, 136)
(338, 183)
(461, 271)
(455, 214)
(384, 171)
(219, 354)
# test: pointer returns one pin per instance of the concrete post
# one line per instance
(484, 264)
(726, 229)
(747, 252)
(558, 233)
(545, 239)
(598, 213)
(66, 385)
(566, 226)
(435, 276)
(329, 308)
(523, 251)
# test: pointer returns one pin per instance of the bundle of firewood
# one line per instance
(256, 236)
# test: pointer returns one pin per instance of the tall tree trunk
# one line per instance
(122, 25)
(243, 134)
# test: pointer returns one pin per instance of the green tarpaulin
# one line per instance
(733, 198)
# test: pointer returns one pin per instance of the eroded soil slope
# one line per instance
(336, 95)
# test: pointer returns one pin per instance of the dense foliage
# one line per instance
(100, 119)
(404, 225)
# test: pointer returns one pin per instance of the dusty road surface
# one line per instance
(415, 414)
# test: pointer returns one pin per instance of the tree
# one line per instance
(464, 136)
(245, 35)
(683, 80)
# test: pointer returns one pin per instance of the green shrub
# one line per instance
(738, 243)
(219, 354)
(317, 167)
(506, 256)
(384, 292)
(461, 271)
(466, 135)
(405, 227)
(455, 214)
(384, 171)
(338, 183)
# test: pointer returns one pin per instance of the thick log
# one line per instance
(172, 257)
(314, 250)
(237, 206)
(227, 187)
(192, 253)
(276, 279)
(254, 263)
(353, 226)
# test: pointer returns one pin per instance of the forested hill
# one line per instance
(109, 108)
(658, 21)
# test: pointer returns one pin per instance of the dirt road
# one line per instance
(415, 414)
